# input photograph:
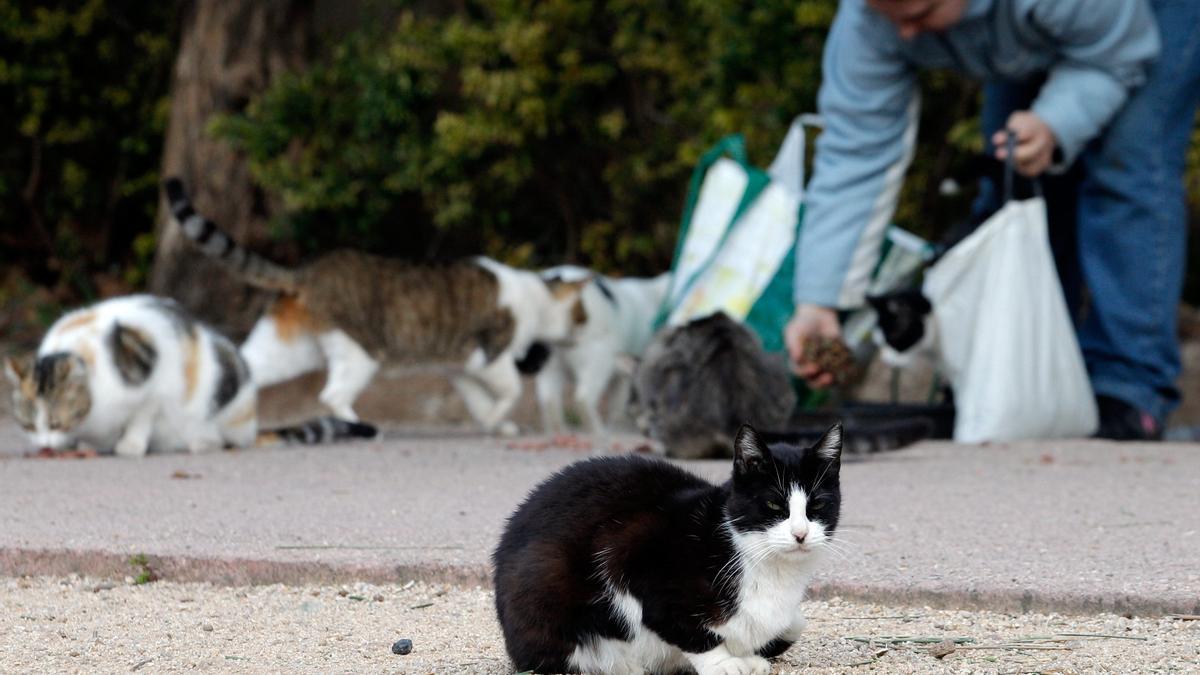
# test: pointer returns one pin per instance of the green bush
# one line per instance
(83, 99)
(534, 131)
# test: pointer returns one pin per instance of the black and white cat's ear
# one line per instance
(750, 453)
(829, 447)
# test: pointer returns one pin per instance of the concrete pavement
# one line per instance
(1055, 526)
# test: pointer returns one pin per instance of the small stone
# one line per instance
(207, 628)
(942, 649)
(74, 652)
(378, 597)
(402, 647)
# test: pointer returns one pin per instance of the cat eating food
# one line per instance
(631, 565)
(351, 312)
(138, 372)
(697, 382)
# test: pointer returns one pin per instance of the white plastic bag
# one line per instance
(1005, 337)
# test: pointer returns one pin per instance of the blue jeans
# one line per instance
(1130, 229)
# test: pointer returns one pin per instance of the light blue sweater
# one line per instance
(1092, 52)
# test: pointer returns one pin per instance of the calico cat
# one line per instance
(903, 330)
(619, 324)
(633, 565)
(697, 382)
(350, 312)
(138, 372)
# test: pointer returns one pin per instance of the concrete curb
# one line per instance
(230, 571)
(250, 572)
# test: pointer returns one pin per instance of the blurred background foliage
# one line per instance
(83, 103)
(535, 131)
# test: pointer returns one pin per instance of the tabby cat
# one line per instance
(697, 382)
(135, 373)
(633, 565)
(350, 312)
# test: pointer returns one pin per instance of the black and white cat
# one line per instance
(904, 328)
(632, 565)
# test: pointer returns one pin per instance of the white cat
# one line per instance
(619, 324)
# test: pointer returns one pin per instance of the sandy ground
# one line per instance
(73, 624)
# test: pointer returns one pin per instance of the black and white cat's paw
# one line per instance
(719, 661)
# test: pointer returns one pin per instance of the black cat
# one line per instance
(630, 564)
(901, 317)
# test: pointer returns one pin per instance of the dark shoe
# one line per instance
(1120, 421)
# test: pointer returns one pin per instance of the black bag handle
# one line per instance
(1010, 161)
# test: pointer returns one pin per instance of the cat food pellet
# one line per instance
(402, 647)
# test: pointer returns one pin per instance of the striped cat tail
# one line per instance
(216, 244)
(318, 430)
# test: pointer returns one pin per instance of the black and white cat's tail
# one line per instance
(318, 430)
(218, 245)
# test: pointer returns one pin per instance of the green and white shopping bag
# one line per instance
(737, 242)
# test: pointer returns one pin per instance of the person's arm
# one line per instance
(868, 103)
(1105, 51)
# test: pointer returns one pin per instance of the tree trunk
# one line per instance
(230, 51)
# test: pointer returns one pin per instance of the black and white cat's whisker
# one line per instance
(757, 557)
(821, 477)
(837, 550)
(841, 541)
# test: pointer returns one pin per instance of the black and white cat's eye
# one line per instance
(774, 506)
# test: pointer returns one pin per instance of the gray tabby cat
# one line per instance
(697, 383)
(135, 373)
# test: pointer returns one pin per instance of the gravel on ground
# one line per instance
(88, 625)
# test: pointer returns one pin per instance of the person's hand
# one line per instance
(1035, 143)
(810, 320)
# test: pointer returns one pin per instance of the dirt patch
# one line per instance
(85, 625)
